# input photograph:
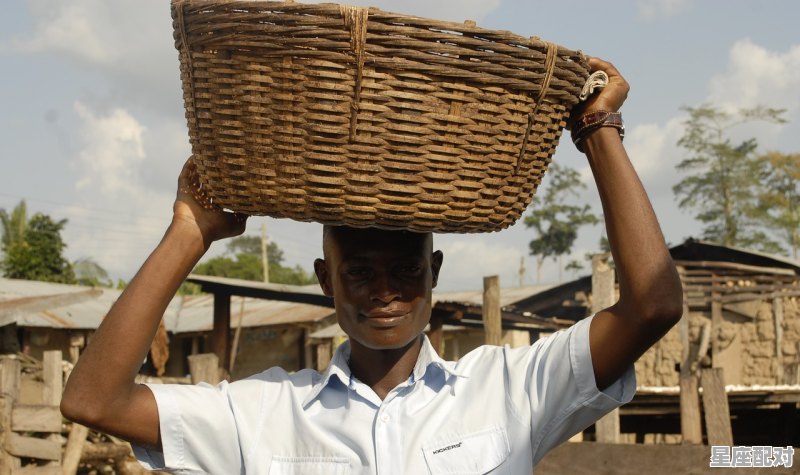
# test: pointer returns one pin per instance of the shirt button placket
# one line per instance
(388, 443)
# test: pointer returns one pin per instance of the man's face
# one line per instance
(381, 283)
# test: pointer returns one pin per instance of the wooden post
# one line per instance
(76, 342)
(777, 315)
(74, 449)
(220, 335)
(492, 317)
(205, 368)
(324, 352)
(53, 388)
(691, 427)
(436, 335)
(715, 407)
(9, 392)
(716, 326)
(603, 296)
(237, 335)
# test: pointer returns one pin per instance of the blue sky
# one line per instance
(92, 126)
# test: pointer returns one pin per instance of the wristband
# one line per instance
(588, 123)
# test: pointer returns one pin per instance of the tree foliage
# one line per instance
(38, 255)
(243, 261)
(722, 176)
(88, 272)
(14, 225)
(555, 221)
(779, 196)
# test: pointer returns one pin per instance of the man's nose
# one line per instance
(383, 288)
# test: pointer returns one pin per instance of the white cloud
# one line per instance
(652, 9)
(653, 149)
(129, 42)
(112, 149)
(756, 76)
(470, 257)
(117, 216)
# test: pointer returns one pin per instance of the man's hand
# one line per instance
(611, 97)
(193, 206)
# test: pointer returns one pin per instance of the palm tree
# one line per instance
(14, 225)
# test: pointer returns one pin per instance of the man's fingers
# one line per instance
(597, 64)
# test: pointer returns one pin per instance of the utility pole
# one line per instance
(522, 271)
(264, 257)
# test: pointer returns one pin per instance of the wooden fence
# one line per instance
(34, 438)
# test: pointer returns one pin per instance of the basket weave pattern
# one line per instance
(356, 116)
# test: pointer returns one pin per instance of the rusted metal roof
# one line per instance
(196, 313)
(44, 304)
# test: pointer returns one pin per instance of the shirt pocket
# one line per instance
(309, 466)
(472, 453)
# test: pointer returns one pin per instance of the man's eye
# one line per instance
(410, 269)
(357, 272)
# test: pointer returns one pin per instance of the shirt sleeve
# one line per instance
(561, 389)
(198, 431)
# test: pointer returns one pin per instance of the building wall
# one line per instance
(261, 348)
(751, 349)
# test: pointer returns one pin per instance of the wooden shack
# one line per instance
(741, 316)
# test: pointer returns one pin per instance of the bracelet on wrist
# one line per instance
(588, 123)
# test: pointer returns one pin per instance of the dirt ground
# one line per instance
(589, 458)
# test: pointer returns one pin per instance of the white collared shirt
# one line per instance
(496, 410)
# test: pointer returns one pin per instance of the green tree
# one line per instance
(779, 197)
(243, 261)
(722, 176)
(14, 225)
(555, 221)
(88, 272)
(574, 266)
(252, 245)
(39, 255)
(243, 266)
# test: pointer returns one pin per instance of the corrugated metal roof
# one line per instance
(76, 313)
(184, 314)
(192, 313)
(197, 313)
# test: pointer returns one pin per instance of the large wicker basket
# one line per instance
(356, 116)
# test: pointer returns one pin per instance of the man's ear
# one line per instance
(323, 276)
(436, 264)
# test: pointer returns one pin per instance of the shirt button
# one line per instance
(385, 418)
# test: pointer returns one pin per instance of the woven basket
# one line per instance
(355, 116)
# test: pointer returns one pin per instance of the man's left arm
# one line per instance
(650, 294)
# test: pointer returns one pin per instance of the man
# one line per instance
(387, 403)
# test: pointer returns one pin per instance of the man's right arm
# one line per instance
(101, 392)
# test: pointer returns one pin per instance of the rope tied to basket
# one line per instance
(355, 19)
(549, 66)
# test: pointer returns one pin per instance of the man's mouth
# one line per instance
(385, 317)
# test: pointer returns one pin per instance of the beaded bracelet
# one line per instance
(588, 123)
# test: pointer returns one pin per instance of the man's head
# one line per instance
(380, 281)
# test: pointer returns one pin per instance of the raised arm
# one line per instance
(101, 392)
(650, 295)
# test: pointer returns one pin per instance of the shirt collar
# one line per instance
(340, 369)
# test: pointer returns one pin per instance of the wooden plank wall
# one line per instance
(16, 417)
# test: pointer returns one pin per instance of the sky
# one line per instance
(92, 127)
